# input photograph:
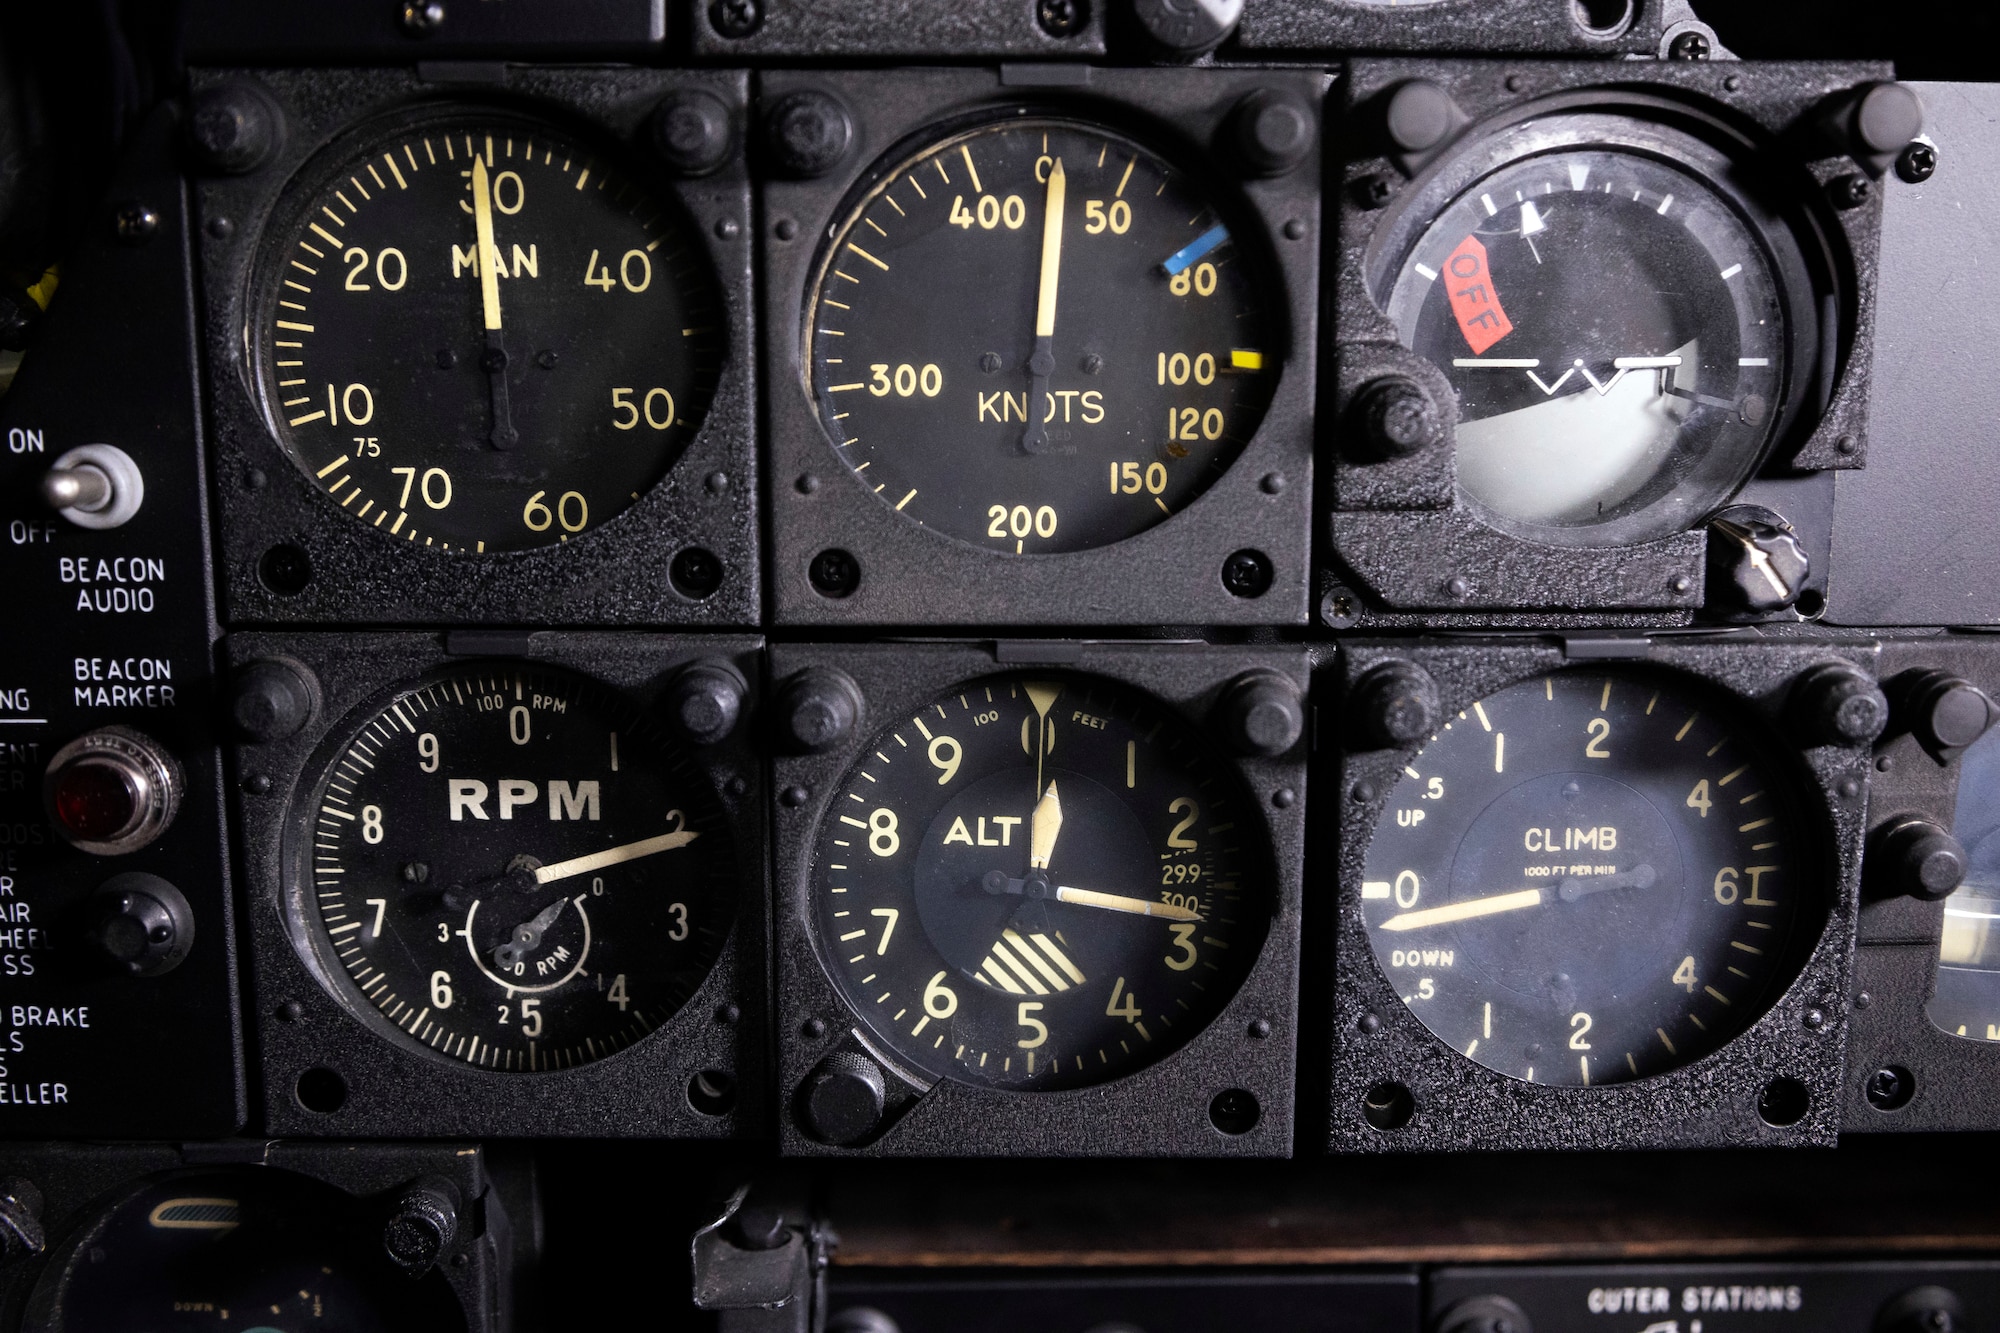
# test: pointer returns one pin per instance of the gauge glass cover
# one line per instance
(513, 867)
(1040, 336)
(467, 412)
(1586, 879)
(1966, 1002)
(1000, 938)
(1616, 330)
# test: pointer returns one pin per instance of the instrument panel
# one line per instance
(1078, 583)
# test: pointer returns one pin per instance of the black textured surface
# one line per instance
(1526, 27)
(250, 31)
(1397, 531)
(617, 573)
(1709, 1102)
(813, 30)
(395, 1091)
(913, 576)
(1160, 1111)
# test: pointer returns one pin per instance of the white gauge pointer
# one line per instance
(1000, 882)
(611, 856)
(1569, 890)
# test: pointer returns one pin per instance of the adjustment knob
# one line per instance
(843, 1099)
(1754, 565)
(1274, 131)
(112, 791)
(1394, 417)
(271, 699)
(1485, 1314)
(806, 134)
(705, 701)
(1837, 704)
(95, 486)
(1187, 28)
(1395, 704)
(142, 923)
(1918, 858)
(1261, 714)
(422, 1224)
(235, 128)
(817, 709)
(1923, 1310)
(693, 132)
(1945, 712)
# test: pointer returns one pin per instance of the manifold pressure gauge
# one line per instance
(477, 333)
(1625, 332)
(1038, 882)
(512, 867)
(1038, 335)
(1585, 878)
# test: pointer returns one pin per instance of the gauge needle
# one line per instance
(631, 851)
(999, 882)
(1569, 890)
(1035, 439)
(1043, 826)
(528, 935)
(494, 360)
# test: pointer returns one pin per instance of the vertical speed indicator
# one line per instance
(1040, 336)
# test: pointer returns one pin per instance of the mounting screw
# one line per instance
(695, 571)
(271, 699)
(1849, 191)
(1890, 1089)
(834, 573)
(422, 1224)
(1187, 28)
(235, 128)
(1247, 573)
(1837, 704)
(1261, 714)
(1374, 190)
(1394, 417)
(1919, 858)
(135, 222)
(1273, 130)
(1690, 45)
(1917, 163)
(806, 133)
(691, 129)
(736, 18)
(817, 708)
(1062, 18)
(421, 18)
(1394, 704)
(705, 700)
(843, 1099)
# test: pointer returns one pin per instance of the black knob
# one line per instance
(1918, 858)
(705, 701)
(422, 1224)
(1273, 131)
(843, 1099)
(235, 128)
(817, 708)
(142, 923)
(1187, 28)
(692, 131)
(271, 699)
(760, 1228)
(807, 133)
(1261, 714)
(1754, 565)
(1885, 117)
(1944, 712)
(1419, 116)
(1394, 704)
(1394, 417)
(21, 1233)
(1485, 1314)
(1922, 1310)
(1837, 704)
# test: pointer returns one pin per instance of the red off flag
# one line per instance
(1474, 302)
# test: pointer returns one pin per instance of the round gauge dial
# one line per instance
(1039, 336)
(1585, 879)
(478, 334)
(256, 1249)
(1966, 1002)
(1617, 333)
(514, 868)
(1039, 882)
